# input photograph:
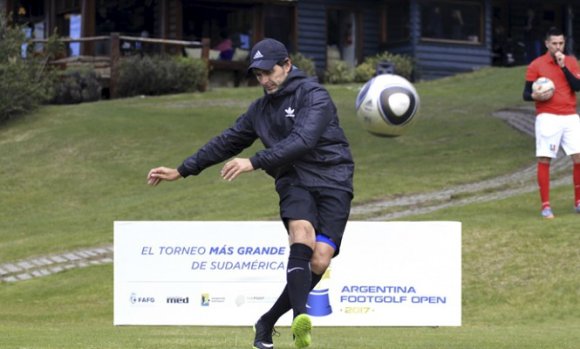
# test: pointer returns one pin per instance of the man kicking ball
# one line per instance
(309, 157)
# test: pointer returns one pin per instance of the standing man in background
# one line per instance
(557, 121)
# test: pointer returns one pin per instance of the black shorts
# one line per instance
(326, 208)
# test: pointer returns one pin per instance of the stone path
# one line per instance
(520, 182)
(517, 183)
(47, 265)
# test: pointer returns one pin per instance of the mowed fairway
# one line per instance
(68, 172)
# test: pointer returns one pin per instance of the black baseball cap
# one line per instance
(266, 53)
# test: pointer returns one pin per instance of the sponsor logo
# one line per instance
(205, 299)
(135, 299)
(178, 300)
(243, 299)
(318, 303)
(258, 55)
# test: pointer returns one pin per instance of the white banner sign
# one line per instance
(229, 273)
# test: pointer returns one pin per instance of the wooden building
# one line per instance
(444, 37)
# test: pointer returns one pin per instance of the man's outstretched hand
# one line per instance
(235, 167)
(159, 174)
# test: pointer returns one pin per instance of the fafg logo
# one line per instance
(135, 299)
(177, 300)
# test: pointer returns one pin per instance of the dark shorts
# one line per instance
(327, 209)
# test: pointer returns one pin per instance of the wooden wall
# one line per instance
(312, 27)
(311, 31)
(371, 30)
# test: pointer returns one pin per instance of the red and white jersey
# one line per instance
(564, 100)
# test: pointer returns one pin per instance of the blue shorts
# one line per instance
(326, 208)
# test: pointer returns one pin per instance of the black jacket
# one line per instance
(299, 128)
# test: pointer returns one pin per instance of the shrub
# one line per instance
(364, 72)
(77, 86)
(156, 75)
(27, 82)
(303, 63)
(404, 66)
(338, 72)
(194, 75)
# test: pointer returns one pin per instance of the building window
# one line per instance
(125, 17)
(218, 21)
(396, 26)
(452, 21)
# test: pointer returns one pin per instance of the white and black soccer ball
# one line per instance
(544, 85)
(386, 105)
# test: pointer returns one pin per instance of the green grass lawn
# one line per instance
(68, 172)
(520, 288)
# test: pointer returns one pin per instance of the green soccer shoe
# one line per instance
(301, 328)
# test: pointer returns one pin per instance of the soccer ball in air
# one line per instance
(543, 84)
(386, 105)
